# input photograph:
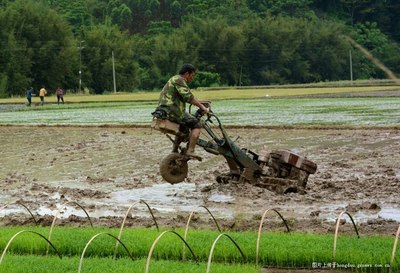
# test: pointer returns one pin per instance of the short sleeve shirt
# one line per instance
(42, 92)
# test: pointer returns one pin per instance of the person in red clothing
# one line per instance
(60, 95)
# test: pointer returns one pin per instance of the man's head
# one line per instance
(187, 71)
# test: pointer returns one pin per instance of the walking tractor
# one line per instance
(281, 171)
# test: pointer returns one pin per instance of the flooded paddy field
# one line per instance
(307, 111)
(107, 169)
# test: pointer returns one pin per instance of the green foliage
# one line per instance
(143, 11)
(282, 50)
(297, 8)
(219, 47)
(3, 85)
(97, 67)
(377, 43)
(245, 42)
(206, 79)
(36, 49)
(75, 11)
(51, 264)
(159, 27)
(120, 14)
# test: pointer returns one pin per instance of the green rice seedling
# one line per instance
(26, 231)
(51, 264)
(276, 248)
(92, 239)
(124, 220)
(210, 255)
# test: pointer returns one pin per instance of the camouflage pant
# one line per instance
(190, 121)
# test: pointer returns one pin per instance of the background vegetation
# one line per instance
(232, 42)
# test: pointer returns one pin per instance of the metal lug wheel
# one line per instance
(174, 168)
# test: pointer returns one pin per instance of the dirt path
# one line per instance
(108, 169)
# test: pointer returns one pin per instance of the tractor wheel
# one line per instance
(174, 168)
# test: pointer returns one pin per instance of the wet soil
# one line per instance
(107, 170)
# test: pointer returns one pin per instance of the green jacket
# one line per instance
(173, 98)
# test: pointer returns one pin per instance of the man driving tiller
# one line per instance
(172, 106)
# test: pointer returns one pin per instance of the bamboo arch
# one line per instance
(396, 240)
(57, 214)
(337, 231)
(187, 227)
(260, 228)
(24, 231)
(155, 243)
(92, 239)
(213, 247)
(126, 216)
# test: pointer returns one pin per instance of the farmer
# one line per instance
(29, 94)
(172, 105)
(42, 93)
(60, 95)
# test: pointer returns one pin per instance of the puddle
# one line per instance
(390, 214)
(67, 211)
(164, 197)
(220, 198)
(330, 213)
(167, 198)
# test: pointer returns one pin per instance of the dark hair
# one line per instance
(187, 68)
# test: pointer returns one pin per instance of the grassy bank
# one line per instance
(212, 94)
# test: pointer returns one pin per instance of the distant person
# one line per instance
(42, 93)
(60, 95)
(29, 94)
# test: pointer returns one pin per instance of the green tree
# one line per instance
(120, 14)
(377, 43)
(288, 50)
(3, 85)
(218, 46)
(76, 12)
(206, 79)
(353, 7)
(100, 43)
(297, 8)
(36, 49)
(143, 11)
(159, 27)
(15, 62)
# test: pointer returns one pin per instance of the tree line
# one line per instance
(232, 42)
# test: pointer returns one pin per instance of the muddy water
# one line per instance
(106, 170)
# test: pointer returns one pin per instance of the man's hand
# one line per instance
(205, 110)
(206, 103)
(202, 111)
